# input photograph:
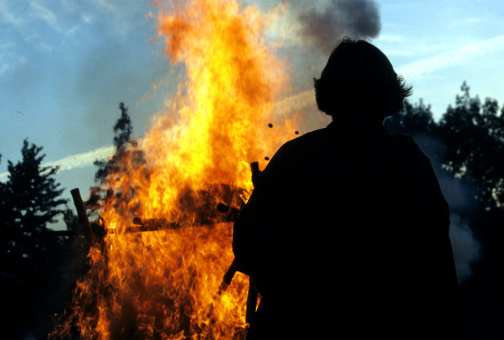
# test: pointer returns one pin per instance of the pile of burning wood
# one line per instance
(210, 214)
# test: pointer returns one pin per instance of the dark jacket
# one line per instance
(346, 232)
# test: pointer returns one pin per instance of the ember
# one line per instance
(168, 282)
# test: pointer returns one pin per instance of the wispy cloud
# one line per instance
(45, 14)
(452, 58)
(105, 5)
(9, 61)
(42, 12)
(6, 16)
(464, 22)
(390, 38)
(87, 18)
(401, 53)
(4, 67)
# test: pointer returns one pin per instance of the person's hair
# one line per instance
(359, 83)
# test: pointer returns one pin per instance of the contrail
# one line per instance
(76, 161)
(306, 98)
(81, 160)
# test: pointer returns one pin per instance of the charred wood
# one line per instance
(81, 213)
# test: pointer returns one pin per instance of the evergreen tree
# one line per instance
(123, 127)
(31, 254)
(128, 156)
(122, 135)
(33, 198)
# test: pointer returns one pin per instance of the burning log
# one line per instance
(232, 213)
(81, 213)
(228, 277)
(199, 209)
(254, 166)
(154, 224)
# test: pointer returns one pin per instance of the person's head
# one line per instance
(359, 84)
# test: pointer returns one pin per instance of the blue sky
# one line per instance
(65, 66)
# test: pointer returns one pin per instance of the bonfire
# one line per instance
(157, 271)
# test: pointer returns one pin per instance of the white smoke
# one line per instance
(466, 250)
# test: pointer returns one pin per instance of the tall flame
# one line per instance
(164, 284)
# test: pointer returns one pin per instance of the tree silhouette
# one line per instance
(413, 119)
(128, 157)
(123, 127)
(122, 134)
(474, 136)
(31, 197)
(31, 253)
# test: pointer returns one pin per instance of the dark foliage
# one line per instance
(33, 257)
(128, 157)
(122, 134)
(474, 137)
(123, 127)
(413, 119)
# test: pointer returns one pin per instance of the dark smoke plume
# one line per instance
(356, 19)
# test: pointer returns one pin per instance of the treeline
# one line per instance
(39, 267)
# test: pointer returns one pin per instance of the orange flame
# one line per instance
(163, 284)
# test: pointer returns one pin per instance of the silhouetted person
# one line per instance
(346, 232)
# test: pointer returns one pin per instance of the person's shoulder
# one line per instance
(409, 149)
(318, 136)
(406, 142)
(404, 139)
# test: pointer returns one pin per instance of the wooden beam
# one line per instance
(81, 213)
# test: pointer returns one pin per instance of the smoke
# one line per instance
(324, 27)
(466, 249)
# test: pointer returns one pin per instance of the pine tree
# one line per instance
(31, 254)
(32, 199)
(123, 127)
(128, 156)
